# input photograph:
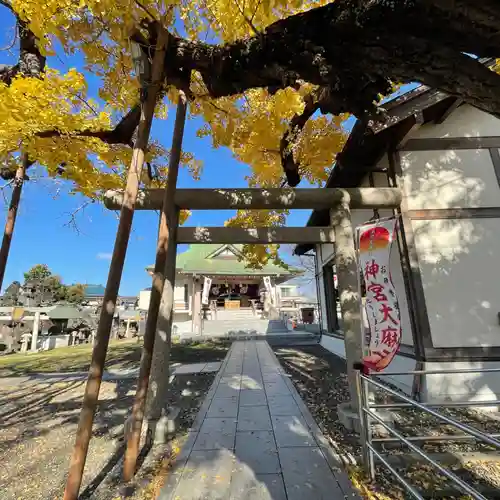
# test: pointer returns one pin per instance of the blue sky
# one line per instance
(43, 236)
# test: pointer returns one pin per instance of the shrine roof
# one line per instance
(223, 260)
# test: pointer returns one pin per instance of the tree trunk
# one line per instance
(12, 215)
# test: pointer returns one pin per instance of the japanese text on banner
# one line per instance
(382, 307)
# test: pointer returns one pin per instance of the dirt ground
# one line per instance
(320, 379)
(38, 421)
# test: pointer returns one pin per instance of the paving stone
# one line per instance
(213, 366)
(270, 368)
(189, 368)
(272, 377)
(233, 380)
(251, 367)
(256, 377)
(227, 390)
(252, 397)
(251, 382)
(254, 418)
(291, 430)
(207, 476)
(306, 474)
(216, 433)
(176, 470)
(257, 449)
(198, 421)
(233, 369)
(337, 466)
(283, 405)
(223, 407)
(253, 409)
(278, 388)
(245, 485)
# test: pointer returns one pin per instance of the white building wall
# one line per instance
(462, 386)
(399, 363)
(458, 258)
(466, 121)
(180, 281)
(144, 298)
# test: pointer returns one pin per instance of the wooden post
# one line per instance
(163, 283)
(197, 307)
(12, 215)
(34, 335)
(91, 395)
(349, 297)
(161, 356)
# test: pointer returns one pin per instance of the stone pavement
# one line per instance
(254, 439)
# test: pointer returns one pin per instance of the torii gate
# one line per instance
(157, 338)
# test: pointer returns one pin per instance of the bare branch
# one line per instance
(3, 188)
(12, 43)
(72, 222)
(86, 104)
(256, 9)
(290, 137)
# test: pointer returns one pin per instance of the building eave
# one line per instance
(369, 141)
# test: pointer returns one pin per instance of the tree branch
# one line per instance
(7, 4)
(121, 134)
(290, 137)
(353, 50)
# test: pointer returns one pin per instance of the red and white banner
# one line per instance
(382, 308)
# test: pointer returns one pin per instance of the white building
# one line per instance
(445, 156)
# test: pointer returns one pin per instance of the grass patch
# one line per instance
(122, 354)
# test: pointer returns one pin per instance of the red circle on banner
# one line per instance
(377, 238)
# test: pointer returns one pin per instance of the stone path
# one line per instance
(254, 439)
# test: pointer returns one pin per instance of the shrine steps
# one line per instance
(244, 326)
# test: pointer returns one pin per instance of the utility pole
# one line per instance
(91, 395)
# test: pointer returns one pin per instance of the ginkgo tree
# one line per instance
(49, 116)
(272, 80)
(272, 65)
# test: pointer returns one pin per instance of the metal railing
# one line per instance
(366, 415)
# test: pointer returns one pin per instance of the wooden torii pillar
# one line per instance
(160, 310)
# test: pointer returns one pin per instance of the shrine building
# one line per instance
(444, 155)
(234, 290)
